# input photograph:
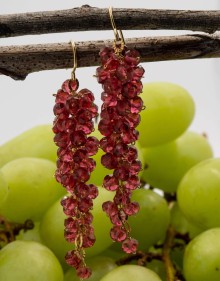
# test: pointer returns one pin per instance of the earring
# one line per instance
(74, 111)
(120, 77)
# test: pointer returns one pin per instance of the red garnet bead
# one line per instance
(84, 272)
(130, 245)
(118, 234)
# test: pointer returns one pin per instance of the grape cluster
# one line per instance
(74, 112)
(120, 77)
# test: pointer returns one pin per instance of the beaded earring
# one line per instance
(120, 77)
(74, 111)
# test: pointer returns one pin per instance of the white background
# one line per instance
(25, 104)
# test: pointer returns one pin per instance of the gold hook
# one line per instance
(118, 33)
(73, 75)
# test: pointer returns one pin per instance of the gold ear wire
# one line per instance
(118, 33)
(73, 75)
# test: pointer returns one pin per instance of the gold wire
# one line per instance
(73, 75)
(118, 33)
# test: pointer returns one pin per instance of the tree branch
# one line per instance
(18, 61)
(91, 18)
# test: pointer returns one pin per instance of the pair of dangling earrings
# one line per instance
(75, 111)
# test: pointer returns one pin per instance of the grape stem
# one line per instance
(141, 257)
(167, 246)
(9, 230)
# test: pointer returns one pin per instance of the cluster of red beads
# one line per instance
(120, 77)
(74, 112)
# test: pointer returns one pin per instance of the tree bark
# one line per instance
(91, 18)
(18, 61)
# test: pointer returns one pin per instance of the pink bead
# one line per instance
(132, 153)
(110, 208)
(118, 234)
(93, 109)
(109, 99)
(65, 154)
(109, 161)
(70, 236)
(111, 183)
(130, 136)
(83, 116)
(71, 224)
(133, 119)
(112, 85)
(136, 105)
(122, 197)
(120, 149)
(88, 218)
(132, 183)
(130, 245)
(72, 105)
(69, 182)
(121, 73)
(73, 85)
(135, 167)
(93, 191)
(78, 138)
(132, 57)
(69, 206)
(86, 128)
(85, 204)
(105, 54)
(92, 145)
(84, 272)
(137, 73)
(115, 219)
(102, 74)
(131, 208)
(79, 155)
(81, 174)
(88, 240)
(112, 64)
(61, 96)
(87, 95)
(64, 167)
(63, 124)
(59, 108)
(106, 144)
(82, 190)
(62, 139)
(121, 173)
(120, 125)
(65, 86)
(123, 107)
(73, 259)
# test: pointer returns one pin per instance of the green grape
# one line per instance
(202, 257)
(100, 265)
(150, 224)
(32, 188)
(31, 234)
(35, 142)
(198, 194)
(52, 228)
(29, 261)
(158, 267)
(131, 273)
(3, 188)
(169, 112)
(181, 224)
(166, 164)
(100, 171)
